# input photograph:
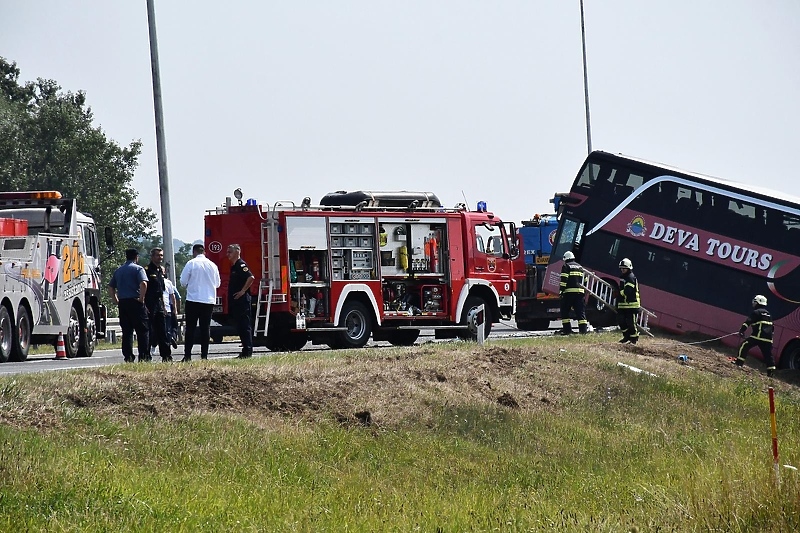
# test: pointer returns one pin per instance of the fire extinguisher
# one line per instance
(315, 268)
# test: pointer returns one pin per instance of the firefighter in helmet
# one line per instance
(571, 292)
(760, 323)
(628, 302)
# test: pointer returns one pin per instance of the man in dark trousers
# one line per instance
(628, 302)
(762, 329)
(154, 300)
(127, 288)
(572, 294)
(239, 299)
(201, 278)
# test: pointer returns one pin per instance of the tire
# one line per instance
(472, 303)
(358, 322)
(6, 335)
(403, 337)
(791, 357)
(22, 335)
(72, 337)
(598, 315)
(88, 336)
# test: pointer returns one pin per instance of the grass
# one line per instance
(685, 453)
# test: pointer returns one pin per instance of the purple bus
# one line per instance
(701, 247)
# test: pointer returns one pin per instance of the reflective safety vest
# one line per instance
(571, 278)
(761, 322)
(628, 292)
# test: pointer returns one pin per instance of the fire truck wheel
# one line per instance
(6, 334)
(88, 334)
(358, 322)
(22, 335)
(473, 302)
(73, 336)
(403, 337)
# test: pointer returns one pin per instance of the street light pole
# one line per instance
(163, 179)
(586, 85)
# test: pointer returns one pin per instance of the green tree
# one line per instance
(48, 142)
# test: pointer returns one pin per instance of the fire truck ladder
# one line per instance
(604, 293)
(270, 262)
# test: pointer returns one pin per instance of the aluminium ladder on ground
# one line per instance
(270, 275)
(604, 293)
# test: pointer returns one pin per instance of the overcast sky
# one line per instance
(475, 99)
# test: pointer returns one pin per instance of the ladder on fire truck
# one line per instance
(604, 293)
(270, 275)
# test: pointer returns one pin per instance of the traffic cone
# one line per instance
(61, 351)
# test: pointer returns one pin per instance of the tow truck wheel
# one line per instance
(72, 338)
(472, 304)
(356, 319)
(403, 337)
(6, 335)
(88, 334)
(22, 335)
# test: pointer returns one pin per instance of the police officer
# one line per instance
(239, 299)
(572, 293)
(154, 300)
(127, 288)
(761, 326)
(628, 302)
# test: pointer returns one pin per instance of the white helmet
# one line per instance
(760, 300)
(626, 263)
(569, 256)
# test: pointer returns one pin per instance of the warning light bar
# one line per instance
(30, 195)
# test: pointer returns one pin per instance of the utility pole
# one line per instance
(586, 85)
(163, 179)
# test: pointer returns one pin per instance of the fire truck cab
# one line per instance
(361, 264)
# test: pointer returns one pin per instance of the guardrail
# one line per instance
(113, 330)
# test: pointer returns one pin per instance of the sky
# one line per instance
(471, 100)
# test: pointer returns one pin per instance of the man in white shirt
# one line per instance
(172, 307)
(201, 278)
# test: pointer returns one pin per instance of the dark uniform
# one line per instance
(761, 335)
(572, 297)
(628, 307)
(239, 309)
(154, 301)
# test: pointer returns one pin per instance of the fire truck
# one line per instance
(50, 276)
(361, 264)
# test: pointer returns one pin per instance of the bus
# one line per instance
(701, 247)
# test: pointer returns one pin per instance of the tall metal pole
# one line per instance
(163, 179)
(586, 85)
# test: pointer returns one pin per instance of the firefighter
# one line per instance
(628, 302)
(239, 299)
(760, 323)
(572, 293)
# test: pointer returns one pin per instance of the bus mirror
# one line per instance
(109, 235)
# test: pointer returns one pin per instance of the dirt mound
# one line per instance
(382, 387)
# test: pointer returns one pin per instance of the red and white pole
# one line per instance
(774, 425)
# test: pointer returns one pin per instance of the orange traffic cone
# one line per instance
(61, 351)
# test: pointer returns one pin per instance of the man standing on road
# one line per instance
(239, 299)
(572, 294)
(154, 300)
(201, 278)
(127, 288)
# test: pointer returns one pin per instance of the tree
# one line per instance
(48, 142)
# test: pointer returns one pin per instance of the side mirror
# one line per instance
(109, 235)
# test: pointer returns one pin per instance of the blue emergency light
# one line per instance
(481, 206)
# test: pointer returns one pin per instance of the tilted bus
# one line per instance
(701, 247)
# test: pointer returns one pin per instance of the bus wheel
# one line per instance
(88, 334)
(22, 335)
(791, 357)
(403, 337)
(72, 338)
(356, 319)
(598, 315)
(6, 335)
(472, 303)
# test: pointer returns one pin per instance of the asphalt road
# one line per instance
(225, 350)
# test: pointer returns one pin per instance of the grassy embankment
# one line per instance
(564, 439)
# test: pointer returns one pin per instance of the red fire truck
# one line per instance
(384, 264)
